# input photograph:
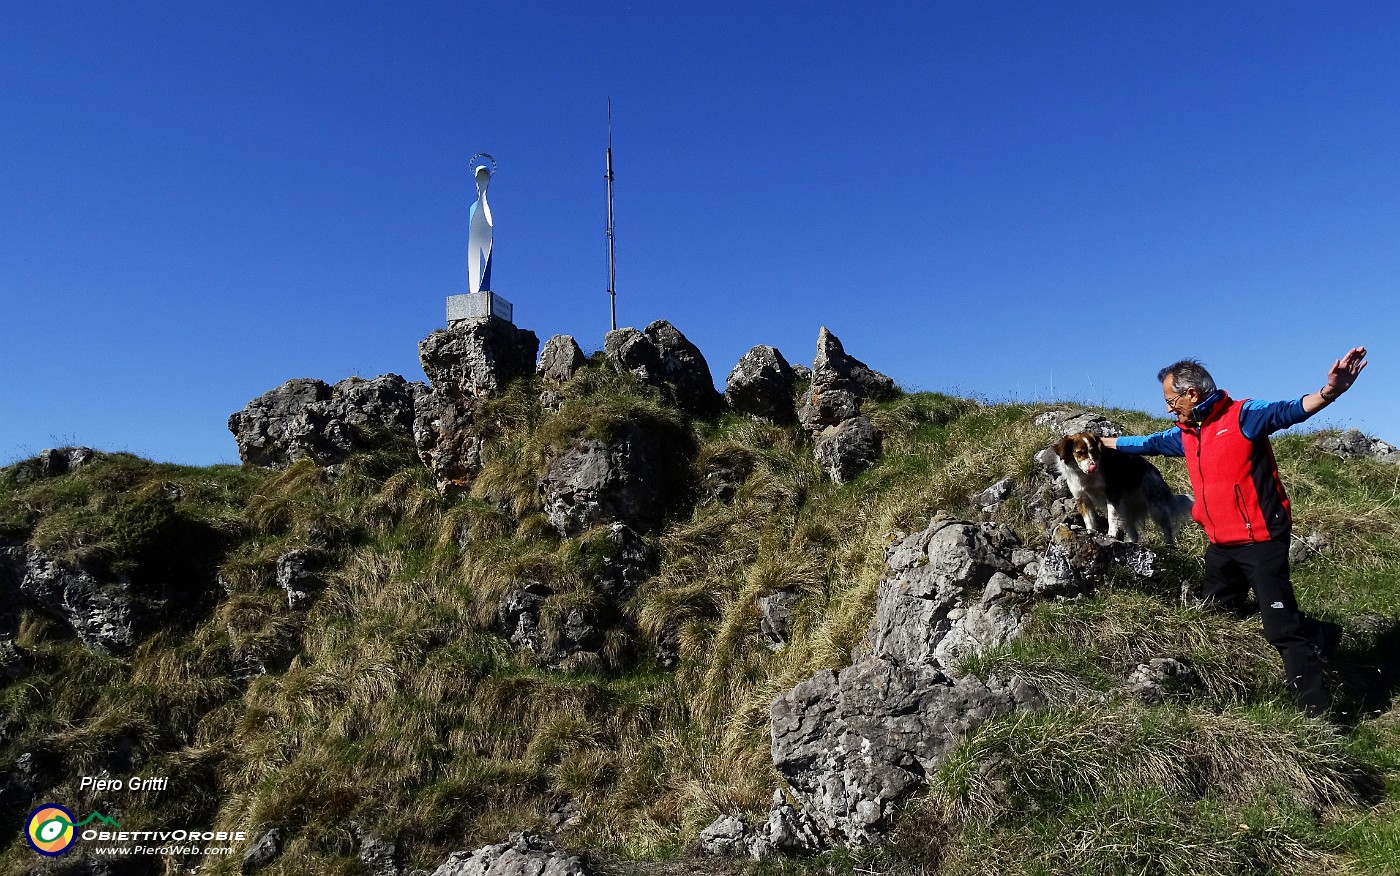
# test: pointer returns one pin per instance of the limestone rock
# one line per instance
(448, 439)
(23, 782)
(822, 408)
(775, 617)
(1076, 560)
(15, 662)
(846, 450)
(666, 646)
(720, 484)
(523, 855)
(560, 359)
(307, 419)
(298, 573)
(761, 385)
(476, 358)
(1354, 444)
(594, 482)
(380, 857)
(518, 616)
(725, 836)
(1161, 679)
(263, 429)
(630, 562)
(845, 443)
(662, 357)
(466, 363)
(12, 560)
(1304, 548)
(833, 368)
(954, 574)
(990, 499)
(106, 615)
(853, 743)
(51, 463)
(788, 830)
(1067, 422)
(263, 851)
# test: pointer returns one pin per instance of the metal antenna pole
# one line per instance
(612, 269)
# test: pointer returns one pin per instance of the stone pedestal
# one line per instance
(478, 305)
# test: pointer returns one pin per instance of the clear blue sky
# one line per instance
(1024, 201)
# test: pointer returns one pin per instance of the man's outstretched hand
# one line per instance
(1344, 373)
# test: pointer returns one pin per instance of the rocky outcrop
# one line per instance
(845, 443)
(270, 429)
(950, 591)
(448, 439)
(726, 836)
(14, 660)
(518, 616)
(620, 481)
(761, 385)
(299, 574)
(1043, 494)
(833, 368)
(560, 359)
(262, 851)
(847, 449)
(476, 358)
(106, 615)
(523, 855)
(824, 408)
(1161, 679)
(1355, 444)
(852, 743)
(51, 463)
(787, 830)
(628, 563)
(380, 857)
(775, 617)
(573, 637)
(307, 419)
(661, 357)
(466, 363)
(958, 588)
(1067, 422)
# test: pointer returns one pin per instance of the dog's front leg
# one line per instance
(1093, 521)
(1119, 526)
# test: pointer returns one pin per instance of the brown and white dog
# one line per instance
(1122, 488)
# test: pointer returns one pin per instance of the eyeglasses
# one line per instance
(1171, 402)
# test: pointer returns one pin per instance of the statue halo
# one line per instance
(482, 160)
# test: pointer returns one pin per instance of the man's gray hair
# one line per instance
(1188, 374)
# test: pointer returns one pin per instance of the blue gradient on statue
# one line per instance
(479, 237)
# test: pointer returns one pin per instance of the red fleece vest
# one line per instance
(1239, 496)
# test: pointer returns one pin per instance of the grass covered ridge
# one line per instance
(390, 707)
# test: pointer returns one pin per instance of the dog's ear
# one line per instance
(1062, 447)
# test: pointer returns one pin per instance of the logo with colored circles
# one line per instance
(50, 829)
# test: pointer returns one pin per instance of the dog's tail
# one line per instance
(1172, 514)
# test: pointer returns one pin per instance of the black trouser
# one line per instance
(1231, 570)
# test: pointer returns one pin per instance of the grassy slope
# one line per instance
(390, 708)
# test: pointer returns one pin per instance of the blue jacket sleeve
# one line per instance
(1164, 443)
(1260, 418)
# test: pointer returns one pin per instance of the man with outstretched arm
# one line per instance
(1241, 504)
